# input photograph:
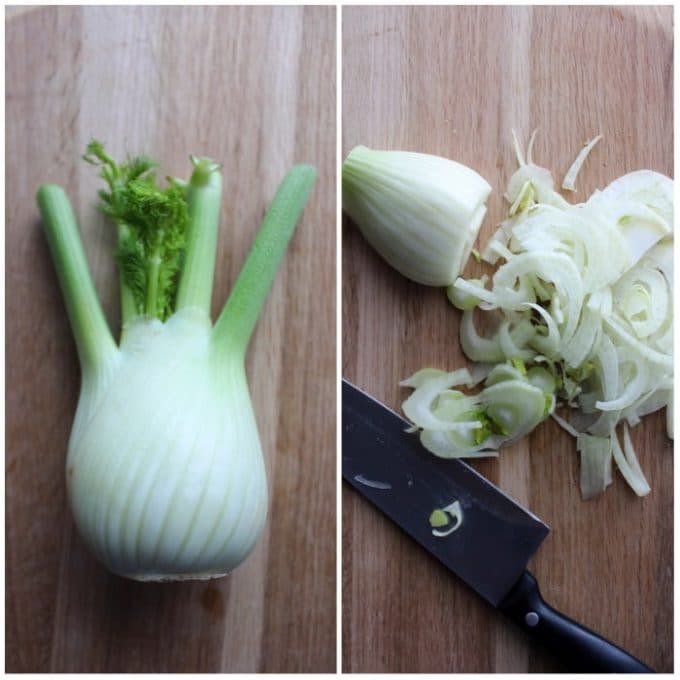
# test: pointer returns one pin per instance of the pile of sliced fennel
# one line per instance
(583, 299)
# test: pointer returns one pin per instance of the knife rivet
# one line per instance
(531, 619)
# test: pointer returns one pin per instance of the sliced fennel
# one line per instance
(165, 473)
(569, 181)
(422, 213)
(596, 464)
(583, 297)
(458, 425)
(444, 521)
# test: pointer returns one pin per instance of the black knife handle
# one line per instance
(578, 648)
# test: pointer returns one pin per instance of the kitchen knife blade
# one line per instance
(479, 533)
(496, 537)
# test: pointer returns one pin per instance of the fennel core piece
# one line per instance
(166, 474)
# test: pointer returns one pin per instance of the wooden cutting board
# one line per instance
(453, 82)
(255, 88)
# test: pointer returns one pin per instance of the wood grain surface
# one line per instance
(255, 88)
(453, 82)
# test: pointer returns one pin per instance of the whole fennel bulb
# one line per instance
(165, 473)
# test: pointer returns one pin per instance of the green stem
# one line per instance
(238, 318)
(151, 308)
(92, 334)
(204, 195)
(128, 307)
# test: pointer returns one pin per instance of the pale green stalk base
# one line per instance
(128, 308)
(204, 195)
(235, 325)
(93, 337)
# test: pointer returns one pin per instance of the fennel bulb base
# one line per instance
(167, 578)
(165, 472)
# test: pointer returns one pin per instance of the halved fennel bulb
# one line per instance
(165, 473)
(422, 213)
(584, 294)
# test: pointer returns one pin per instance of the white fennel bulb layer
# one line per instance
(165, 472)
(421, 213)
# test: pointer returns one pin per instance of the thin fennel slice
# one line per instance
(596, 464)
(569, 181)
(628, 464)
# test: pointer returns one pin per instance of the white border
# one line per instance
(338, 336)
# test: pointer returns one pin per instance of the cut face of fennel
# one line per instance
(165, 473)
(583, 292)
(421, 213)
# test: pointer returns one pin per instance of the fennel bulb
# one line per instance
(584, 297)
(165, 473)
(420, 212)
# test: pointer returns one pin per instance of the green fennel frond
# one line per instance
(152, 228)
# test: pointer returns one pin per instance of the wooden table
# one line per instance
(453, 82)
(255, 88)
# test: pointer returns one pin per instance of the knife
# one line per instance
(477, 531)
